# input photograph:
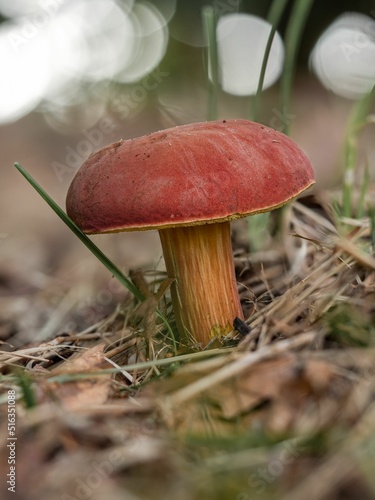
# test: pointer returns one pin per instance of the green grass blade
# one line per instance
(356, 122)
(181, 358)
(296, 24)
(362, 195)
(371, 212)
(209, 23)
(258, 231)
(25, 384)
(274, 16)
(114, 270)
(257, 224)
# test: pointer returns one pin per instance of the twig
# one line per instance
(236, 367)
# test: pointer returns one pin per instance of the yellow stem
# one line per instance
(204, 294)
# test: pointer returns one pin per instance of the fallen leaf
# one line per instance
(83, 393)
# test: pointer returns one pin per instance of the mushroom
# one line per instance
(189, 182)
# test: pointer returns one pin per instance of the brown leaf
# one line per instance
(81, 394)
(294, 391)
(258, 384)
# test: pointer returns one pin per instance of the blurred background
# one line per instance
(76, 75)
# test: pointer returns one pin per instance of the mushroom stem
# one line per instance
(204, 295)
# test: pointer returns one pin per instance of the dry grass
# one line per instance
(285, 411)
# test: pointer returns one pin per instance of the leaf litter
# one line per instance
(283, 409)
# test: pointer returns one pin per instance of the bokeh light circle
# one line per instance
(241, 41)
(24, 72)
(150, 43)
(343, 58)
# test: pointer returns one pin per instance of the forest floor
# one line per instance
(116, 409)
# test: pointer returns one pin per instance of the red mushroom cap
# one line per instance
(192, 174)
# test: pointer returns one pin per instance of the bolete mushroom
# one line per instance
(189, 182)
